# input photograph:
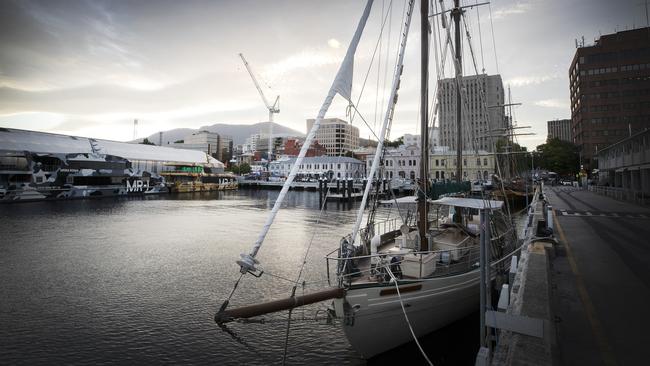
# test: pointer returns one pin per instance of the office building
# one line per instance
(336, 135)
(559, 129)
(481, 110)
(610, 91)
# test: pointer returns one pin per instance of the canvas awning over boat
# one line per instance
(469, 203)
(402, 201)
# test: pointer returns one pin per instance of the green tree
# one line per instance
(558, 156)
(244, 168)
(395, 143)
(147, 142)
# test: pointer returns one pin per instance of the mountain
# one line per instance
(239, 133)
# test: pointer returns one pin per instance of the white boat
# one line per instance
(396, 280)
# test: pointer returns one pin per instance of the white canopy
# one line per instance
(476, 203)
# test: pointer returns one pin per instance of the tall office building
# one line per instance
(337, 135)
(478, 92)
(559, 129)
(610, 91)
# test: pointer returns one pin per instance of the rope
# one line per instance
(494, 44)
(399, 295)
(480, 38)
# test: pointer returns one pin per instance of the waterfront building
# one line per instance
(478, 93)
(330, 167)
(477, 165)
(38, 165)
(559, 129)
(337, 135)
(626, 164)
(610, 91)
(400, 162)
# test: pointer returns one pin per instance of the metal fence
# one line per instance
(622, 194)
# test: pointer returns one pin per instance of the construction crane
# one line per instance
(275, 108)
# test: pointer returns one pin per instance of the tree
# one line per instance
(147, 142)
(558, 156)
(395, 143)
(244, 168)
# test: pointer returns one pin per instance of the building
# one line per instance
(400, 162)
(478, 93)
(476, 165)
(559, 129)
(38, 165)
(211, 143)
(610, 91)
(330, 167)
(292, 148)
(626, 164)
(337, 135)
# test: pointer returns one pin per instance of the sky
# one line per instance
(89, 68)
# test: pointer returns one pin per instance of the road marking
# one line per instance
(596, 327)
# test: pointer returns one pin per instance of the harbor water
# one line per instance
(122, 281)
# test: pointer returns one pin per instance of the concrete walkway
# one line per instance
(600, 279)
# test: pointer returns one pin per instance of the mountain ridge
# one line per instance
(238, 132)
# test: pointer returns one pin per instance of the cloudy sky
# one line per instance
(90, 67)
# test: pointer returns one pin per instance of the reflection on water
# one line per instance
(139, 280)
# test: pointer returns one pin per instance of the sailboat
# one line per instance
(394, 281)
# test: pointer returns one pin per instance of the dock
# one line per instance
(591, 289)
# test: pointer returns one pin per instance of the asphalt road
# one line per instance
(600, 279)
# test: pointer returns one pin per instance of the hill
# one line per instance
(239, 133)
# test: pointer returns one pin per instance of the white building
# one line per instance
(331, 167)
(476, 165)
(477, 93)
(400, 162)
(210, 143)
(337, 135)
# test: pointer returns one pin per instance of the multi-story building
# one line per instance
(481, 110)
(559, 129)
(400, 162)
(476, 165)
(292, 148)
(210, 143)
(337, 135)
(610, 91)
(330, 167)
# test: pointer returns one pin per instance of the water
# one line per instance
(139, 280)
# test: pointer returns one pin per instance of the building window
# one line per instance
(485, 161)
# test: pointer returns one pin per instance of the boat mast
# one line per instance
(456, 13)
(424, 124)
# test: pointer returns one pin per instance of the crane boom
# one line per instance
(275, 108)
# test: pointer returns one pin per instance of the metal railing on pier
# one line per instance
(622, 194)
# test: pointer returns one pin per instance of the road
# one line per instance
(600, 278)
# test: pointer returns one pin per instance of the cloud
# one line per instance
(334, 43)
(518, 8)
(304, 59)
(553, 103)
(531, 80)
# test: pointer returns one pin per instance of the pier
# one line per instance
(341, 190)
(591, 289)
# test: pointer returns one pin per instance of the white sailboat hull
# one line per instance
(375, 323)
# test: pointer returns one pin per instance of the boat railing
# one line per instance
(375, 264)
(380, 228)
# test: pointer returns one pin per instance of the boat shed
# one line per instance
(15, 142)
